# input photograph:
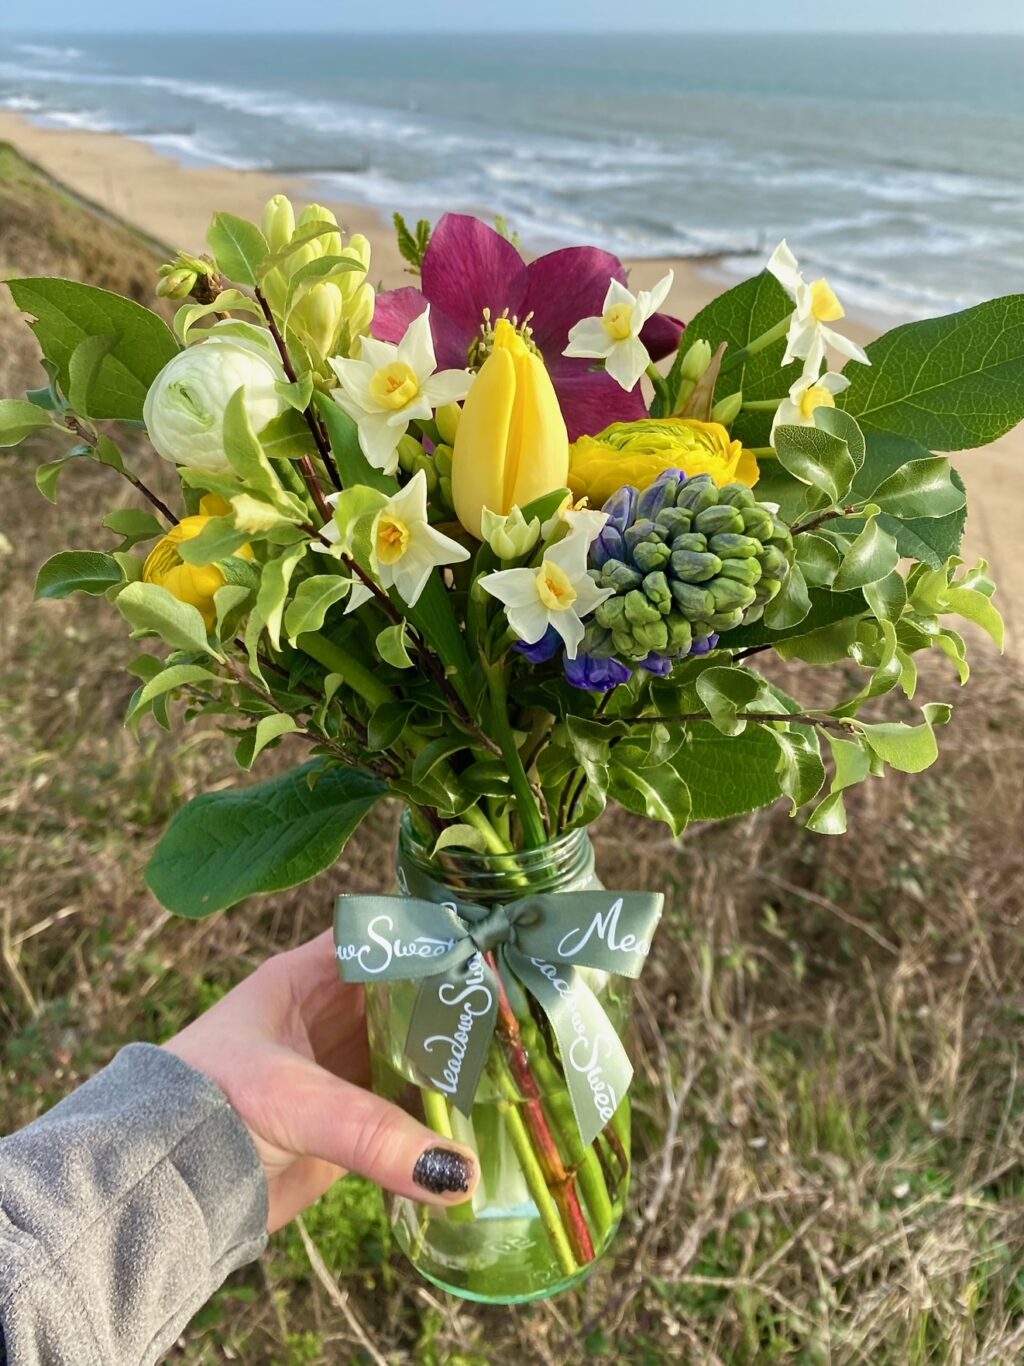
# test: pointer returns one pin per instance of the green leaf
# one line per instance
(85, 368)
(225, 846)
(921, 488)
(818, 558)
(951, 383)
(791, 605)
(827, 607)
(827, 645)
(67, 313)
(286, 437)
(134, 524)
(727, 777)
(852, 765)
(47, 475)
(267, 729)
(313, 599)
(888, 597)
(871, 556)
(238, 247)
(274, 581)
(227, 300)
(150, 609)
(460, 837)
(801, 772)
(434, 753)
(175, 676)
(77, 571)
(386, 725)
(218, 539)
(908, 749)
(315, 272)
(817, 458)
(298, 393)
(245, 453)
(657, 793)
(725, 690)
(20, 418)
(392, 647)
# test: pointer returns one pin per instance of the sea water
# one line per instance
(894, 164)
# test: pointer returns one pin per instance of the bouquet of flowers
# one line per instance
(509, 546)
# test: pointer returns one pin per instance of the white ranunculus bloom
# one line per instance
(184, 409)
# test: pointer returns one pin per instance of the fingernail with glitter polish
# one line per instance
(443, 1171)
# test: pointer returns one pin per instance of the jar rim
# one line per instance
(498, 876)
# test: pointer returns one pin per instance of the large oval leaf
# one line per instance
(225, 846)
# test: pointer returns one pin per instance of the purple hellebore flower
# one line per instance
(594, 674)
(541, 650)
(469, 267)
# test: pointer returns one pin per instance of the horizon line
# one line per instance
(577, 33)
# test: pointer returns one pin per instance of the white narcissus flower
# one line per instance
(816, 306)
(614, 337)
(390, 386)
(184, 409)
(405, 547)
(559, 593)
(806, 396)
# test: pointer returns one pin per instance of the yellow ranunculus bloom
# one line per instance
(194, 583)
(511, 446)
(637, 452)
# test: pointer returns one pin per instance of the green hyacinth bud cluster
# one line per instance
(686, 561)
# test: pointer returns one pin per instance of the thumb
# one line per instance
(349, 1126)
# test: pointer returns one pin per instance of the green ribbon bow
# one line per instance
(538, 943)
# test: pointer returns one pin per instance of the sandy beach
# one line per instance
(173, 204)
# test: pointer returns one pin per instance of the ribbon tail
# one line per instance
(451, 1029)
(597, 1069)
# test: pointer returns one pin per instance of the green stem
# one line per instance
(735, 358)
(764, 453)
(558, 1103)
(532, 822)
(659, 382)
(339, 661)
(435, 1112)
(289, 475)
(762, 405)
(533, 1173)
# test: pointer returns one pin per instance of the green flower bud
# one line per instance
(621, 577)
(651, 555)
(757, 522)
(695, 603)
(690, 540)
(329, 243)
(680, 634)
(737, 496)
(729, 595)
(511, 537)
(639, 612)
(176, 284)
(717, 519)
(742, 571)
(695, 566)
(698, 494)
(726, 621)
(409, 452)
(734, 547)
(278, 222)
(727, 410)
(673, 521)
(447, 419)
(658, 593)
(696, 361)
(443, 460)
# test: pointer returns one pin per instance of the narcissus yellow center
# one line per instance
(392, 540)
(617, 321)
(824, 304)
(817, 396)
(554, 587)
(395, 385)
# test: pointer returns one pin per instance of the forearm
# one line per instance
(121, 1211)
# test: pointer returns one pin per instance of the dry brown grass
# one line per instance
(829, 1118)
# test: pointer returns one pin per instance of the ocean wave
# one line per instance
(68, 54)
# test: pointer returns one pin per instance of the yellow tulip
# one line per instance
(192, 583)
(511, 445)
(637, 452)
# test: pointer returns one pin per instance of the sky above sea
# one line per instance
(894, 164)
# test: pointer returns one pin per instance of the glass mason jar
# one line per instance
(546, 1207)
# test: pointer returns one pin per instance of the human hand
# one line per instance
(288, 1048)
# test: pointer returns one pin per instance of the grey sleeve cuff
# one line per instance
(121, 1211)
